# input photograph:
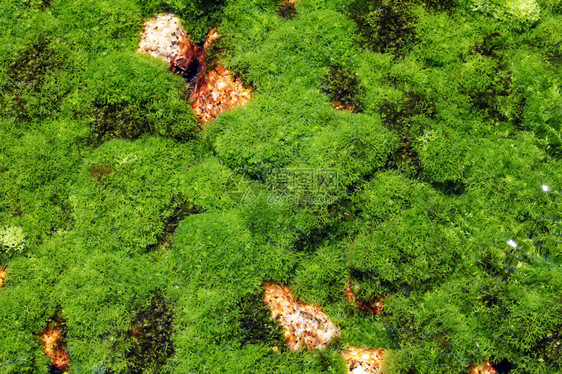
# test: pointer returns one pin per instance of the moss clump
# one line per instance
(128, 96)
(487, 59)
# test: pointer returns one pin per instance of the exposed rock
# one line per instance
(373, 307)
(485, 368)
(304, 325)
(363, 360)
(2, 277)
(53, 342)
(164, 37)
(287, 9)
(218, 90)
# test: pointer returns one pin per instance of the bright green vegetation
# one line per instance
(114, 215)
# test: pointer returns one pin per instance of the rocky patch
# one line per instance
(363, 360)
(304, 325)
(2, 277)
(163, 37)
(216, 88)
(54, 347)
(484, 368)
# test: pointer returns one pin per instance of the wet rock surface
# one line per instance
(2, 277)
(304, 325)
(372, 306)
(484, 368)
(54, 346)
(163, 37)
(216, 89)
(363, 360)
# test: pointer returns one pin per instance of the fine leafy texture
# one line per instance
(398, 166)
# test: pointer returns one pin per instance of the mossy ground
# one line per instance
(455, 128)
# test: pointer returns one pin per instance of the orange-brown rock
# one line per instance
(363, 360)
(339, 106)
(2, 277)
(485, 368)
(53, 346)
(164, 37)
(217, 90)
(304, 325)
(287, 9)
(373, 307)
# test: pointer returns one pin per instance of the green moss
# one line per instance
(451, 152)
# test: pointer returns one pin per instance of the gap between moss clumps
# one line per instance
(344, 89)
(26, 77)
(287, 9)
(400, 117)
(151, 336)
(256, 324)
(179, 208)
(53, 339)
(385, 26)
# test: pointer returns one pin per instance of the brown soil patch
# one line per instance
(216, 89)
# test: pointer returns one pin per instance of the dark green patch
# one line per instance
(440, 5)
(117, 121)
(450, 187)
(180, 207)
(550, 348)
(487, 99)
(256, 324)
(287, 10)
(385, 26)
(151, 336)
(310, 240)
(25, 95)
(99, 172)
(344, 89)
(401, 118)
(554, 54)
(37, 4)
